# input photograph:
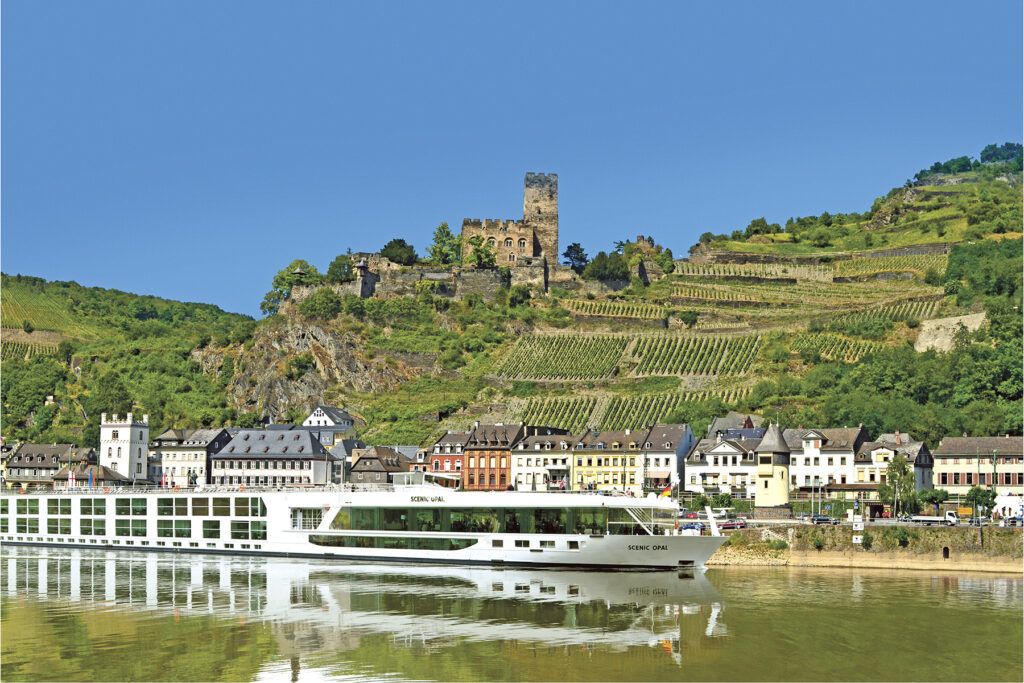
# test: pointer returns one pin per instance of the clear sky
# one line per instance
(192, 149)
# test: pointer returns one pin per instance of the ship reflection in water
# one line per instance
(313, 607)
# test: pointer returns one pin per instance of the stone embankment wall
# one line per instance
(962, 548)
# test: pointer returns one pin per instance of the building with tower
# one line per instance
(529, 241)
(124, 445)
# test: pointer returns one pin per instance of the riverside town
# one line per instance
(519, 342)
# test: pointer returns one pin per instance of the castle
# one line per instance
(531, 240)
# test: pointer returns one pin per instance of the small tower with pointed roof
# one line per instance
(772, 470)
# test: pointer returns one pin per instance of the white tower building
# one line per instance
(124, 445)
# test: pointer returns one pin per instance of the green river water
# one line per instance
(83, 615)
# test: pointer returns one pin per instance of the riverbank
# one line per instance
(956, 549)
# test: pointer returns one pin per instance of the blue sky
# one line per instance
(192, 149)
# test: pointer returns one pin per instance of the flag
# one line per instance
(91, 481)
(666, 492)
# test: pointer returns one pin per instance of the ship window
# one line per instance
(200, 507)
(310, 518)
(474, 520)
(164, 506)
(497, 543)
(550, 521)
(547, 544)
(522, 543)
(399, 542)
(211, 528)
(574, 545)
(61, 526)
(239, 530)
(221, 507)
(426, 520)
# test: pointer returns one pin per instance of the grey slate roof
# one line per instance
(588, 440)
(343, 449)
(530, 443)
(666, 434)
(984, 445)
(261, 443)
(336, 414)
(100, 474)
(733, 420)
(380, 459)
(42, 455)
(836, 439)
(911, 450)
(773, 441)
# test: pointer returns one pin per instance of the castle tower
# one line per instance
(540, 212)
(772, 469)
(124, 445)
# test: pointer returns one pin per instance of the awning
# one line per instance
(659, 474)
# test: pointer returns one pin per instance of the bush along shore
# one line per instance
(961, 548)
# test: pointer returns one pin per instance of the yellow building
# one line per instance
(609, 461)
(772, 469)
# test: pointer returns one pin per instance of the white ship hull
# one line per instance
(322, 523)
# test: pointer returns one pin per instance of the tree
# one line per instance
(481, 255)
(933, 497)
(899, 487)
(607, 267)
(323, 303)
(575, 257)
(984, 500)
(518, 295)
(64, 351)
(446, 248)
(298, 272)
(27, 326)
(721, 500)
(399, 251)
(341, 269)
(666, 261)
(699, 502)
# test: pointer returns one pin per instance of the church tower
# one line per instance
(540, 212)
(124, 445)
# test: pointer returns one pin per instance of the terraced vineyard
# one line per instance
(615, 309)
(901, 312)
(917, 264)
(642, 411)
(711, 293)
(10, 350)
(704, 355)
(566, 413)
(563, 357)
(836, 347)
(767, 271)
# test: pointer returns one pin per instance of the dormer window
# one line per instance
(113, 434)
(632, 445)
(245, 437)
(616, 445)
(668, 444)
(266, 448)
(247, 448)
(300, 448)
(647, 445)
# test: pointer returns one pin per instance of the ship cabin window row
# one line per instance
(488, 520)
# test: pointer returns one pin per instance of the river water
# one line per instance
(82, 615)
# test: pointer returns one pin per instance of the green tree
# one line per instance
(27, 326)
(518, 295)
(341, 269)
(298, 272)
(933, 497)
(481, 255)
(64, 352)
(446, 248)
(575, 257)
(984, 500)
(899, 486)
(399, 251)
(721, 500)
(323, 303)
(607, 267)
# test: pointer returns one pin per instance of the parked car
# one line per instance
(691, 515)
(694, 526)
(733, 524)
(1012, 521)
(823, 519)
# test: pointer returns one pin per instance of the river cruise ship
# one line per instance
(415, 523)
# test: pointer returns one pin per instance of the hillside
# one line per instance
(813, 324)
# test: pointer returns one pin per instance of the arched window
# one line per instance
(110, 452)
(113, 434)
(119, 451)
(511, 257)
(490, 241)
(522, 244)
(508, 241)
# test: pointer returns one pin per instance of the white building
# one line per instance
(180, 456)
(719, 465)
(823, 457)
(259, 457)
(542, 462)
(124, 445)
(664, 452)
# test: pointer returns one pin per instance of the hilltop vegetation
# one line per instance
(799, 323)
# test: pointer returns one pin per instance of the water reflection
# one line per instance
(313, 606)
(76, 614)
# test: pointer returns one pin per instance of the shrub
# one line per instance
(299, 365)
(866, 540)
(779, 544)
(913, 322)
(817, 542)
(323, 303)
(738, 540)
(27, 326)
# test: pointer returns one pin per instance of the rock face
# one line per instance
(266, 383)
(938, 333)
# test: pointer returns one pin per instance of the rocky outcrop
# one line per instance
(269, 381)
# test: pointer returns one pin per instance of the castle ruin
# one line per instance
(529, 241)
